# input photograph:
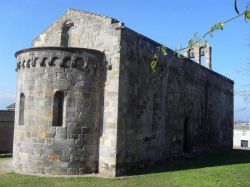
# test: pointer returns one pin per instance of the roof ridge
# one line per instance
(91, 13)
(113, 20)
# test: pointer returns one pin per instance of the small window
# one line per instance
(21, 109)
(190, 53)
(244, 143)
(202, 56)
(58, 109)
(244, 133)
(66, 34)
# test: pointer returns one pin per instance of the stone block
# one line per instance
(48, 93)
(55, 171)
(41, 135)
(23, 156)
(73, 171)
(53, 157)
(61, 133)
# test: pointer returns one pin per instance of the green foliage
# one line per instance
(206, 44)
(212, 29)
(195, 34)
(191, 43)
(247, 15)
(164, 50)
(196, 40)
(215, 27)
(220, 25)
(154, 62)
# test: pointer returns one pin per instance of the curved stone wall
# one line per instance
(72, 147)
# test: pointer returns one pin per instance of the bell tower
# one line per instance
(201, 55)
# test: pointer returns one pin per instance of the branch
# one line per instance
(194, 40)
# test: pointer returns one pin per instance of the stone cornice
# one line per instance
(79, 58)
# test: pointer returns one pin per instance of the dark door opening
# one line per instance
(187, 148)
(244, 143)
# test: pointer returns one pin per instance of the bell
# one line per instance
(191, 54)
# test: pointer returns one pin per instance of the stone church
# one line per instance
(89, 102)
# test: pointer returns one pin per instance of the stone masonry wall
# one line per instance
(100, 33)
(72, 148)
(6, 131)
(155, 106)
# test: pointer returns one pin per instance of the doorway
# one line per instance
(187, 148)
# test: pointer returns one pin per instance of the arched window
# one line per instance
(58, 109)
(202, 56)
(66, 34)
(190, 53)
(21, 109)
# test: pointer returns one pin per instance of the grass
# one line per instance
(231, 168)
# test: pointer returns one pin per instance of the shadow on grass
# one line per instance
(5, 156)
(230, 157)
(222, 158)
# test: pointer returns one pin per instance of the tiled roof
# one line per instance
(242, 127)
(13, 105)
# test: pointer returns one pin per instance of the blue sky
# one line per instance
(170, 22)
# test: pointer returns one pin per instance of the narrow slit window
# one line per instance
(190, 53)
(202, 56)
(66, 34)
(21, 109)
(58, 109)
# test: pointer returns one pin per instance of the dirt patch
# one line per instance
(5, 166)
(2, 170)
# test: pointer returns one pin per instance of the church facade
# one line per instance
(89, 102)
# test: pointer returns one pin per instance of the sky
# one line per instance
(169, 22)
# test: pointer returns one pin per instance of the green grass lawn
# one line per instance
(231, 168)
